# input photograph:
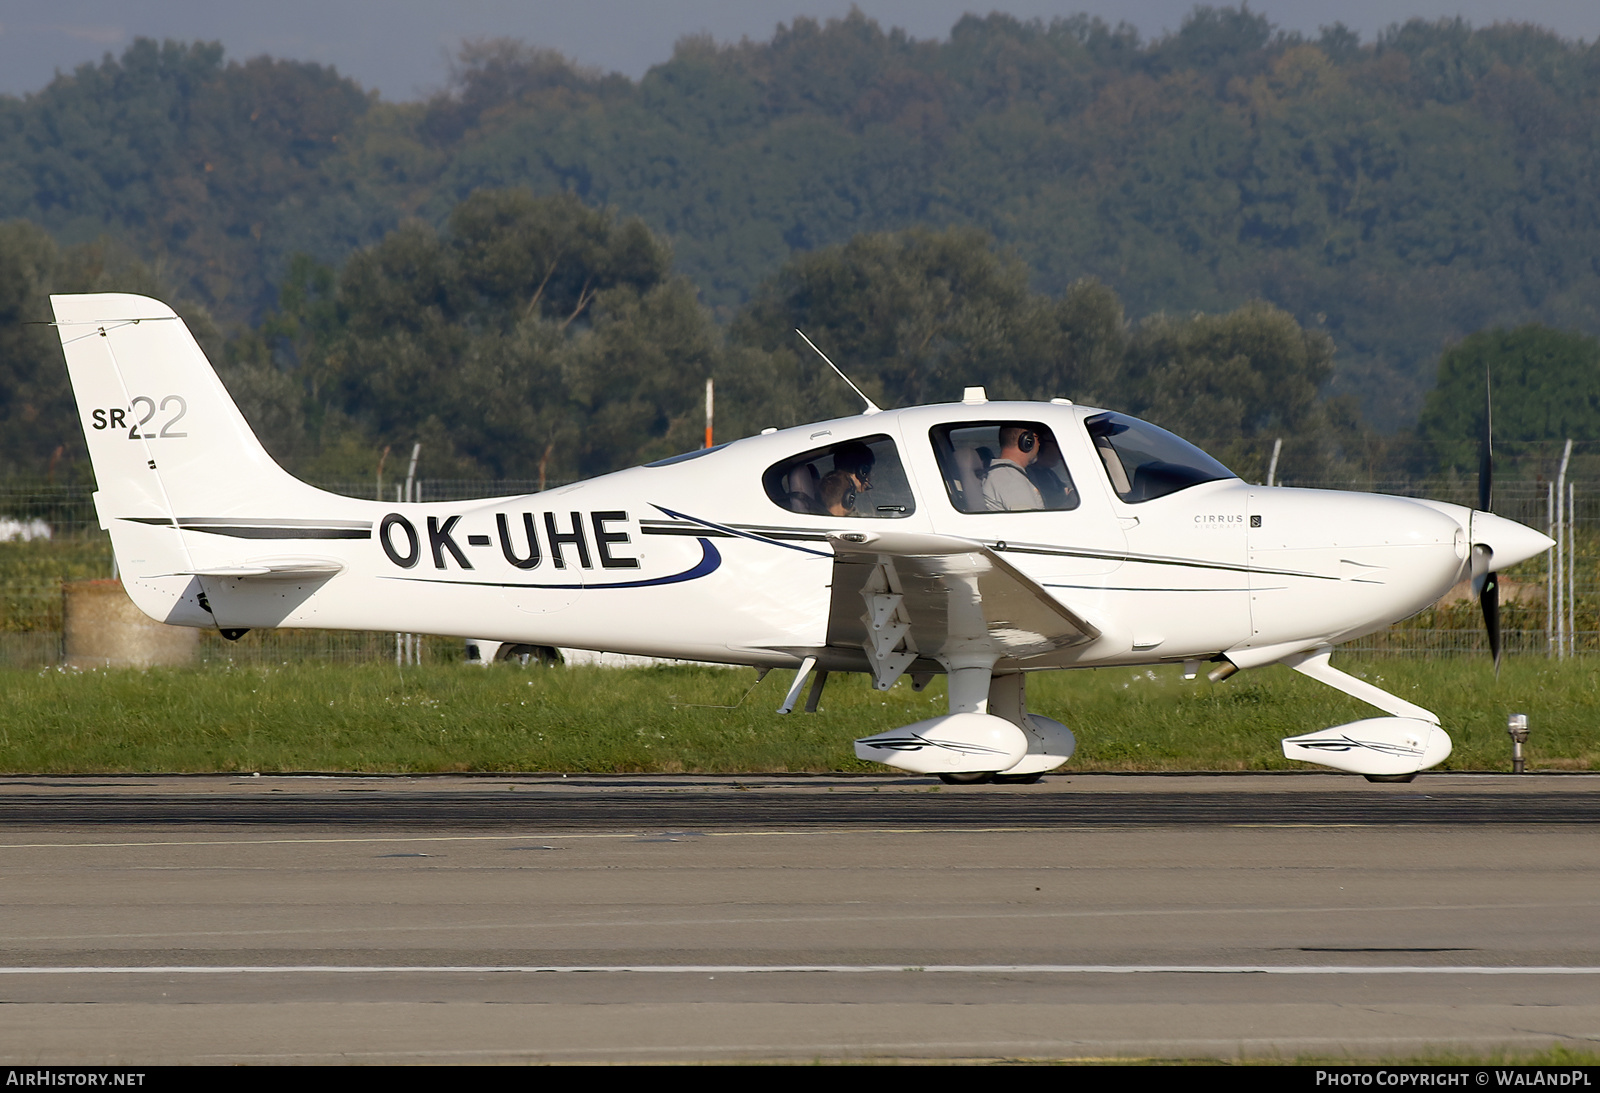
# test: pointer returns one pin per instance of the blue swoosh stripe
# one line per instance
(710, 561)
(741, 534)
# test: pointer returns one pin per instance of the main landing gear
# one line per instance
(981, 777)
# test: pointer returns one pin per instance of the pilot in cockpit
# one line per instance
(1049, 474)
(1007, 488)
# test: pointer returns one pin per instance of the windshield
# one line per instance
(1145, 462)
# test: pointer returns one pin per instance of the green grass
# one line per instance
(375, 718)
(1556, 1055)
(1559, 1055)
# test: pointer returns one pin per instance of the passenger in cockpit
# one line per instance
(855, 459)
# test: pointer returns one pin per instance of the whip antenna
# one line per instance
(872, 407)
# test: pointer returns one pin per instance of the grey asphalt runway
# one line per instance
(680, 919)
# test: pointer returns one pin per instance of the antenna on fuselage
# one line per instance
(872, 407)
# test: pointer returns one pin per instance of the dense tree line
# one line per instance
(529, 338)
(218, 171)
(923, 314)
(543, 339)
(1395, 195)
(37, 412)
(539, 338)
(1542, 385)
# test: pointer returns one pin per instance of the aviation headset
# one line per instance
(1026, 442)
(841, 481)
(856, 460)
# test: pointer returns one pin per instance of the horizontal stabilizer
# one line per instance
(296, 569)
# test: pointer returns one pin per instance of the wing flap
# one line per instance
(947, 592)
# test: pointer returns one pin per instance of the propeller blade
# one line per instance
(1484, 581)
(1489, 600)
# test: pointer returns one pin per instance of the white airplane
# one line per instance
(982, 540)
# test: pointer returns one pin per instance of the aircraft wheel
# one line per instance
(968, 778)
(1391, 777)
(1018, 779)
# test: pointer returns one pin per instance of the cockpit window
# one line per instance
(1003, 466)
(852, 478)
(1145, 462)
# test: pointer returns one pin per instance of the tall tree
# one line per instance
(916, 316)
(1545, 383)
(1235, 382)
(533, 337)
(217, 167)
(37, 411)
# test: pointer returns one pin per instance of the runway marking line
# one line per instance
(625, 835)
(649, 833)
(768, 969)
(786, 920)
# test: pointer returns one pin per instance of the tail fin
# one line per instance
(163, 433)
(174, 459)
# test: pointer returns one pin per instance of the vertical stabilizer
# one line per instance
(171, 452)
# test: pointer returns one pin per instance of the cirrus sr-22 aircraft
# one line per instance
(982, 540)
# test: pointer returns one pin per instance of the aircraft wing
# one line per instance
(899, 596)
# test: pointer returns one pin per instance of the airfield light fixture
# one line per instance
(1517, 726)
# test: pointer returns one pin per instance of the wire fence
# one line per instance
(43, 649)
(50, 534)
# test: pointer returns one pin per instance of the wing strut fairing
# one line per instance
(1394, 747)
